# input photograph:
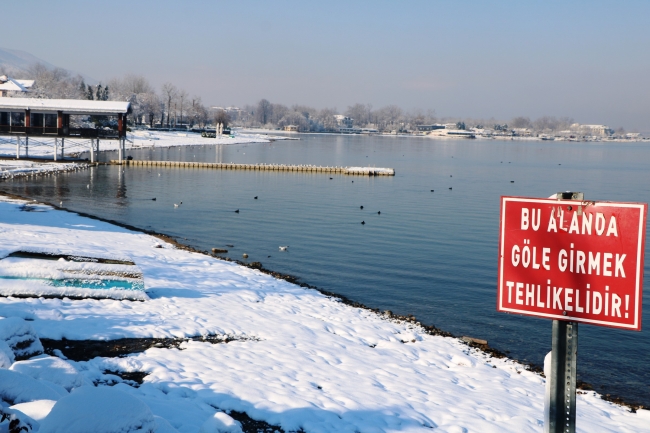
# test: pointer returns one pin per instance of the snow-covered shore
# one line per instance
(43, 147)
(16, 168)
(298, 359)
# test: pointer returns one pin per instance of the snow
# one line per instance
(67, 106)
(19, 388)
(36, 410)
(99, 410)
(12, 168)
(43, 147)
(220, 423)
(6, 355)
(51, 369)
(20, 337)
(300, 360)
(42, 277)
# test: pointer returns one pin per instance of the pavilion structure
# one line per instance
(23, 118)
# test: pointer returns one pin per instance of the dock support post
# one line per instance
(26, 147)
(17, 147)
(92, 150)
(120, 155)
(62, 146)
(56, 147)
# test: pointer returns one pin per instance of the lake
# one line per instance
(430, 239)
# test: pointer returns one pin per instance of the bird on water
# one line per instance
(283, 248)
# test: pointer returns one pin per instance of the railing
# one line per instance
(67, 132)
(92, 133)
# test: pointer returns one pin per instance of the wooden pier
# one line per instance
(355, 171)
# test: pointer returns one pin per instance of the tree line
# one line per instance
(171, 106)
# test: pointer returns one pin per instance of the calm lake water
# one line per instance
(431, 254)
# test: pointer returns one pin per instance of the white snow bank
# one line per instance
(220, 423)
(52, 369)
(44, 147)
(314, 364)
(19, 388)
(99, 410)
(6, 355)
(36, 410)
(20, 337)
(12, 169)
(163, 426)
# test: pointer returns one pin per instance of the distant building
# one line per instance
(344, 121)
(291, 128)
(522, 132)
(430, 127)
(10, 85)
(593, 130)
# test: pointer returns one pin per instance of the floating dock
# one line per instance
(354, 171)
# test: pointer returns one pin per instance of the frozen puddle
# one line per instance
(52, 274)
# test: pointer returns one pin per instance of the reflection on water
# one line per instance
(429, 243)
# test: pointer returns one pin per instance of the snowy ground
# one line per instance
(300, 360)
(15, 168)
(44, 146)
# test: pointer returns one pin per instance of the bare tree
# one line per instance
(295, 118)
(150, 105)
(546, 123)
(326, 119)
(54, 83)
(169, 92)
(521, 122)
(182, 97)
(221, 116)
(263, 111)
(361, 114)
(197, 113)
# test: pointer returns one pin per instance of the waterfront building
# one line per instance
(592, 130)
(9, 86)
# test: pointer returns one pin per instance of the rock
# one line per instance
(219, 251)
(6, 355)
(478, 341)
(20, 337)
(245, 255)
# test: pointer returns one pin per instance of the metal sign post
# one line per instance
(562, 381)
(564, 360)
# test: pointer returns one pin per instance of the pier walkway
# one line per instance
(358, 171)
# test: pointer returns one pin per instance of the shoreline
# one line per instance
(384, 315)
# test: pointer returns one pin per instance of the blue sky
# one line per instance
(584, 59)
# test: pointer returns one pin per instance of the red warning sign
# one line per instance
(572, 260)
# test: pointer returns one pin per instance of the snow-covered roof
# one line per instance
(67, 106)
(11, 84)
